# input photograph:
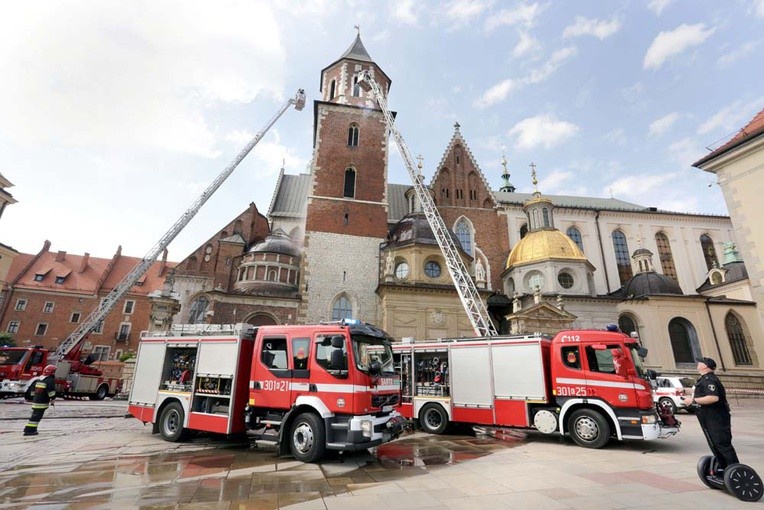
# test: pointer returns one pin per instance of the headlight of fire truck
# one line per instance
(366, 428)
(649, 419)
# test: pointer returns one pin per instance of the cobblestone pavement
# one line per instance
(89, 456)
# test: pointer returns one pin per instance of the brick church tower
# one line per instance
(346, 218)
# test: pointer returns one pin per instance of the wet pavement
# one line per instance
(89, 456)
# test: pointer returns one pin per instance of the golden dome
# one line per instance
(544, 245)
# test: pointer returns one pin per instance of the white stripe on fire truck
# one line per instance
(606, 384)
(334, 388)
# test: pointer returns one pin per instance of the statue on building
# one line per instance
(479, 272)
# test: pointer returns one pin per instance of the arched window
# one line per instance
(575, 236)
(332, 86)
(272, 275)
(738, 341)
(356, 87)
(684, 341)
(627, 324)
(709, 253)
(198, 310)
(523, 230)
(545, 213)
(349, 189)
(353, 135)
(464, 234)
(622, 256)
(342, 309)
(664, 254)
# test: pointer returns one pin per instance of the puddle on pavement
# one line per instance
(233, 472)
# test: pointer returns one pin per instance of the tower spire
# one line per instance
(534, 180)
(507, 187)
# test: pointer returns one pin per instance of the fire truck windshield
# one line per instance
(634, 348)
(368, 350)
(11, 356)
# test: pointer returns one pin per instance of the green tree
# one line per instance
(6, 340)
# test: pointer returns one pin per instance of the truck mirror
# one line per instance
(642, 352)
(375, 368)
(338, 342)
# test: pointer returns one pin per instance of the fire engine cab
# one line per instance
(308, 388)
(589, 384)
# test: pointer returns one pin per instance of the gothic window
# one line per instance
(198, 310)
(664, 254)
(575, 236)
(684, 341)
(332, 86)
(342, 309)
(464, 234)
(709, 253)
(622, 256)
(737, 339)
(356, 87)
(353, 135)
(349, 190)
(627, 324)
(524, 230)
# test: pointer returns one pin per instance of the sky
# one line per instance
(115, 116)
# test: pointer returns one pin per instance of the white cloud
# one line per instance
(672, 43)
(660, 126)
(139, 74)
(499, 92)
(406, 11)
(759, 6)
(617, 136)
(527, 44)
(524, 15)
(731, 118)
(738, 53)
(462, 12)
(600, 29)
(686, 151)
(495, 94)
(541, 131)
(639, 184)
(657, 6)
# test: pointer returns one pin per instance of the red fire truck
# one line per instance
(307, 388)
(589, 384)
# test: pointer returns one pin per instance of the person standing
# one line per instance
(714, 413)
(44, 394)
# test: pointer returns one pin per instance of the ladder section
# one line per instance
(465, 286)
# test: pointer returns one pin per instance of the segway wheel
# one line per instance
(743, 482)
(706, 466)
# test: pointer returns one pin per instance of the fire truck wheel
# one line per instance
(171, 423)
(433, 418)
(743, 482)
(307, 438)
(589, 428)
(103, 390)
(667, 403)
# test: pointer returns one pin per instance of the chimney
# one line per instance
(60, 256)
(84, 264)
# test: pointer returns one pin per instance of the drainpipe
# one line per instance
(602, 250)
(716, 338)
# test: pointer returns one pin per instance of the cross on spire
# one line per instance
(534, 180)
(456, 126)
(358, 28)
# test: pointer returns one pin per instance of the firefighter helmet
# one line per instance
(49, 370)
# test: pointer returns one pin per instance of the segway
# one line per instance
(738, 479)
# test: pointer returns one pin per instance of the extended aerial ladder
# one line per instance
(465, 286)
(100, 313)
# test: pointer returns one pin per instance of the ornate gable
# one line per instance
(542, 317)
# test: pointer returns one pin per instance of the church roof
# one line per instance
(543, 245)
(290, 196)
(415, 229)
(357, 51)
(277, 242)
(610, 204)
(733, 272)
(649, 283)
(751, 130)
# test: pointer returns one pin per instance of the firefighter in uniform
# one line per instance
(44, 394)
(714, 413)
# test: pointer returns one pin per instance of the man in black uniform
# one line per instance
(713, 413)
(44, 393)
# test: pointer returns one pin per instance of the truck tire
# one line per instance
(100, 393)
(171, 423)
(307, 438)
(433, 418)
(589, 428)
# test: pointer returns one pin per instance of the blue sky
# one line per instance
(115, 116)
